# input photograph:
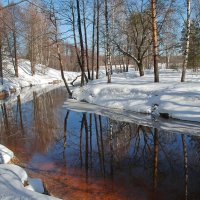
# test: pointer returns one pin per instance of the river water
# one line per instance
(86, 152)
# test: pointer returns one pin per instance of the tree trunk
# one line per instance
(93, 38)
(86, 42)
(81, 43)
(61, 69)
(32, 60)
(108, 56)
(75, 41)
(155, 41)
(98, 22)
(185, 61)
(54, 22)
(167, 58)
(1, 60)
(141, 68)
(15, 53)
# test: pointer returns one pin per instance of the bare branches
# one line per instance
(12, 4)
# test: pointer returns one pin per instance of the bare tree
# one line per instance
(98, 30)
(107, 44)
(53, 19)
(132, 37)
(93, 37)
(86, 38)
(81, 43)
(185, 61)
(11, 29)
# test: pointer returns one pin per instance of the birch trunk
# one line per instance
(185, 61)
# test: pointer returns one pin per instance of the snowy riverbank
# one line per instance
(43, 76)
(14, 181)
(140, 94)
(127, 91)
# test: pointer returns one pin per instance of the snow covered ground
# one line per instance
(127, 91)
(169, 125)
(14, 181)
(130, 92)
(44, 75)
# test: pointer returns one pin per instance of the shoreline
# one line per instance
(16, 182)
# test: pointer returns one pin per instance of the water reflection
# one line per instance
(88, 156)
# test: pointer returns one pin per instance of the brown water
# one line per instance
(87, 156)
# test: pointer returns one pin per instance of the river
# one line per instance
(83, 151)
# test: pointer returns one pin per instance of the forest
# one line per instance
(83, 35)
(100, 99)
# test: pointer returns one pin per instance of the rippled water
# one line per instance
(83, 155)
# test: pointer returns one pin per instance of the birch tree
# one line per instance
(185, 59)
(107, 44)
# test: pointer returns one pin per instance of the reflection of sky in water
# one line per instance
(41, 146)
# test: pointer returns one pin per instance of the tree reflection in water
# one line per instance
(88, 156)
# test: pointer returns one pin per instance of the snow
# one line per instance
(14, 170)
(12, 189)
(12, 181)
(5, 154)
(170, 125)
(140, 94)
(127, 91)
(35, 184)
(43, 76)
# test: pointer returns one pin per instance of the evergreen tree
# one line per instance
(194, 49)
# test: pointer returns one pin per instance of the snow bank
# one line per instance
(5, 154)
(12, 169)
(35, 184)
(43, 76)
(170, 125)
(140, 94)
(12, 189)
(13, 178)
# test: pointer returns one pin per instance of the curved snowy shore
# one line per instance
(43, 76)
(15, 183)
(140, 94)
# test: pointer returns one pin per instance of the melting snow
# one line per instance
(140, 94)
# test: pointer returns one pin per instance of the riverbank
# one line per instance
(43, 76)
(15, 182)
(169, 98)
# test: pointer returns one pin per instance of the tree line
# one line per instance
(82, 35)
